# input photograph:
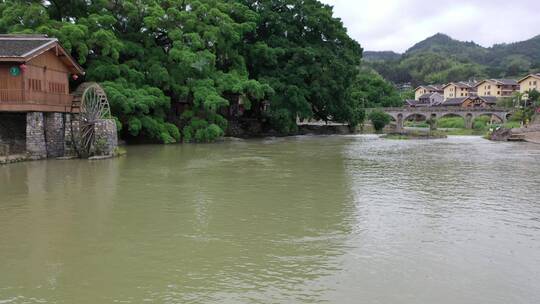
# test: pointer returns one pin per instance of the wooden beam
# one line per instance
(7, 107)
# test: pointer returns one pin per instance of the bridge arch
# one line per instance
(409, 115)
(497, 115)
(452, 114)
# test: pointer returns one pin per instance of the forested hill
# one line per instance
(440, 59)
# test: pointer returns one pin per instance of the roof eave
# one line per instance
(530, 75)
(12, 59)
(478, 84)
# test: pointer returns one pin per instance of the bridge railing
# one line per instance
(440, 109)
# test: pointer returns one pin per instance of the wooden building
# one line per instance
(39, 116)
(34, 74)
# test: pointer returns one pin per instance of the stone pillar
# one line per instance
(35, 135)
(54, 134)
(106, 137)
(71, 126)
(469, 119)
(433, 122)
(399, 123)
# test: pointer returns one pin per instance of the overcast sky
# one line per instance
(396, 25)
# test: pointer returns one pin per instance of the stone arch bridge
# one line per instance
(469, 114)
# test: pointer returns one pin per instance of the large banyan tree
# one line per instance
(170, 67)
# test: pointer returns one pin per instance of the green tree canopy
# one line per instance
(370, 90)
(306, 56)
(379, 119)
(171, 67)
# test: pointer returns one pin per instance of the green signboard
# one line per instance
(15, 71)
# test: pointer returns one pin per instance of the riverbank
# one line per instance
(13, 158)
(529, 134)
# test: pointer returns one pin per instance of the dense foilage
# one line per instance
(170, 67)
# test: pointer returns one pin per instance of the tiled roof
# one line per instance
(462, 84)
(500, 81)
(507, 81)
(410, 102)
(20, 46)
(489, 99)
(454, 101)
(431, 87)
(537, 75)
(436, 87)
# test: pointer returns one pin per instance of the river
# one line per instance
(338, 219)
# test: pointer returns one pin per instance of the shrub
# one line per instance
(481, 122)
(379, 119)
(200, 131)
(512, 124)
(214, 132)
(188, 134)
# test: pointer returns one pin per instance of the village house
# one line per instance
(497, 87)
(459, 89)
(471, 102)
(529, 83)
(431, 99)
(426, 100)
(427, 89)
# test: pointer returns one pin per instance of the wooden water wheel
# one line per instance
(91, 104)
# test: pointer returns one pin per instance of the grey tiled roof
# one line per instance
(501, 81)
(454, 101)
(463, 84)
(507, 81)
(19, 46)
(489, 99)
(437, 87)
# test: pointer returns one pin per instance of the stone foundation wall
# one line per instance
(36, 146)
(38, 135)
(71, 127)
(54, 134)
(106, 137)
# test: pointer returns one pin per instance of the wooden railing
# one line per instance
(11, 96)
(34, 97)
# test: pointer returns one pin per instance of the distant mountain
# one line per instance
(444, 45)
(440, 59)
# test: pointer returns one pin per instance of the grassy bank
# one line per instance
(463, 132)
(415, 135)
